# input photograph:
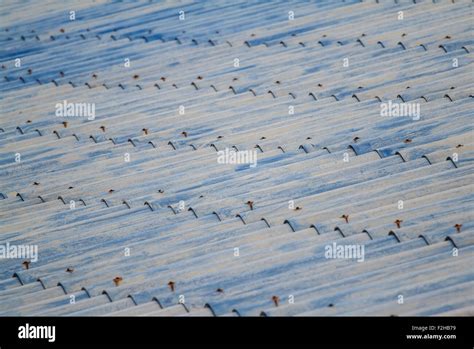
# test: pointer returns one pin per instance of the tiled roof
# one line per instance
(141, 234)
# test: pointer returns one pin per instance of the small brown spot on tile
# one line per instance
(171, 285)
(118, 280)
(345, 217)
(276, 300)
(26, 264)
